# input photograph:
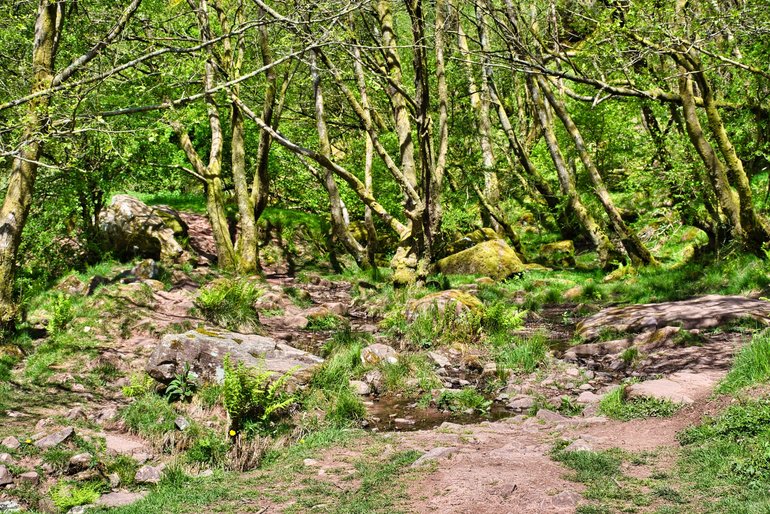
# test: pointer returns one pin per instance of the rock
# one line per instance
(119, 499)
(146, 269)
(470, 240)
(6, 458)
(676, 388)
(360, 387)
(558, 255)
(105, 415)
(697, 313)
(76, 413)
(123, 445)
(489, 370)
(436, 304)
(132, 228)
(378, 352)
(29, 478)
(404, 266)
(310, 462)
(551, 416)
(155, 285)
(521, 403)
(205, 349)
(404, 421)
(566, 499)
(55, 439)
(439, 360)
(586, 387)
(114, 479)
(9, 506)
(492, 258)
(79, 462)
(584, 351)
(579, 445)
(573, 293)
(172, 220)
(148, 475)
(375, 379)
(439, 452)
(42, 424)
(181, 423)
(338, 308)
(78, 509)
(296, 321)
(10, 442)
(5, 476)
(587, 397)
(485, 281)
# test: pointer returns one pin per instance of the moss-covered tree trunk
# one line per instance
(21, 182)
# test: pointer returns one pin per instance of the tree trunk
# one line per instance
(605, 248)
(636, 250)
(21, 183)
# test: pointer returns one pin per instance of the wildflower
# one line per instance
(232, 433)
(28, 441)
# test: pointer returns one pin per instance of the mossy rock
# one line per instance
(404, 265)
(560, 254)
(470, 240)
(462, 303)
(494, 259)
(171, 219)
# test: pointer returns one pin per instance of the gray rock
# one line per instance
(378, 352)
(75, 413)
(5, 458)
(132, 228)
(587, 397)
(105, 415)
(55, 439)
(78, 509)
(146, 269)
(181, 423)
(29, 478)
(10, 442)
(375, 379)
(9, 506)
(566, 499)
(5, 476)
(439, 360)
(205, 350)
(148, 475)
(114, 479)
(439, 452)
(551, 416)
(579, 445)
(119, 499)
(360, 387)
(296, 321)
(79, 462)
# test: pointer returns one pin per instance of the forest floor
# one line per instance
(534, 461)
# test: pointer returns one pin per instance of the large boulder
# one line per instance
(459, 302)
(205, 349)
(134, 229)
(471, 239)
(494, 259)
(560, 254)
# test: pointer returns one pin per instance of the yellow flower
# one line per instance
(232, 433)
(301, 441)
(28, 441)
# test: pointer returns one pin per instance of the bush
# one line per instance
(229, 303)
(253, 395)
(500, 317)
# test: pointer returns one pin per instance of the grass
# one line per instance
(465, 399)
(149, 415)
(615, 405)
(751, 365)
(229, 303)
(520, 354)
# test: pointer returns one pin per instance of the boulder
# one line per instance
(558, 255)
(119, 499)
(205, 350)
(10, 442)
(404, 265)
(132, 228)
(5, 476)
(378, 352)
(470, 240)
(146, 269)
(79, 462)
(172, 220)
(148, 475)
(459, 301)
(29, 478)
(494, 259)
(55, 439)
(697, 313)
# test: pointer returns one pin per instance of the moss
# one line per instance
(494, 259)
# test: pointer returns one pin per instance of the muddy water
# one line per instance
(399, 414)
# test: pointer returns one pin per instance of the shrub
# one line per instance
(252, 394)
(229, 303)
(62, 313)
(500, 317)
(327, 322)
(183, 386)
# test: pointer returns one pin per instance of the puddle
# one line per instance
(384, 412)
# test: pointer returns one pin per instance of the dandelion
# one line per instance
(28, 441)
(232, 433)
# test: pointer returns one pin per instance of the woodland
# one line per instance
(446, 213)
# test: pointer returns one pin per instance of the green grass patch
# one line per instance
(520, 354)
(751, 365)
(229, 303)
(616, 405)
(463, 400)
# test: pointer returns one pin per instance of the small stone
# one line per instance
(5, 476)
(105, 415)
(579, 445)
(463, 383)
(79, 462)
(490, 369)
(502, 397)
(114, 479)
(589, 374)
(10, 442)
(47, 468)
(78, 388)
(360, 387)
(310, 462)
(9, 506)
(55, 439)
(181, 423)
(439, 360)
(141, 457)
(586, 387)
(75, 413)
(5, 458)
(41, 424)
(588, 397)
(550, 416)
(148, 475)
(572, 372)
(403, 421)
(119, 499)
(205, 473)
(29, 478)
(521, 403)
(378, 352)
(434, 454)
(568, 499)
(78, 509)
